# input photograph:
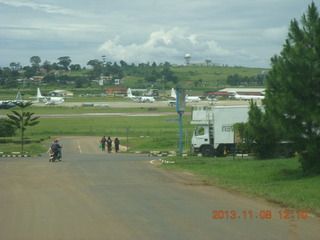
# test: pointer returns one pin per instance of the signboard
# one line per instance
(181, 100)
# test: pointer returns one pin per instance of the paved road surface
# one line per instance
(93, 195)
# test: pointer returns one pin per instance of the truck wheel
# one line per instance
(207, 151)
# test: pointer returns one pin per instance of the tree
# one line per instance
(6, 129)
(262, 132)
(293, 87)
(29, 71)
(49, 78)
(21, 121)
(35, 61)
(64, 62)
(168, 75)
(47, 66)
(94, 62)
(123, 63)
(15, 66)
(75, 67)
(242, 130)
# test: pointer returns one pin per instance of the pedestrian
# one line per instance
(109, 144)
(116, 145)
(103, 143)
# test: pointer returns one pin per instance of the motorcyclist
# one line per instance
(56, 149)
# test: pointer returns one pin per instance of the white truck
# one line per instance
(214, 134)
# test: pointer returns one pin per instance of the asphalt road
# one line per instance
(93, 195)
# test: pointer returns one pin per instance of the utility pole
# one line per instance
(180, 107)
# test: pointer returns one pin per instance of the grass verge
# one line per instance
(279, 181)
(143, 133)
(30, 148)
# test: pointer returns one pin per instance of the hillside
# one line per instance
(198, 79)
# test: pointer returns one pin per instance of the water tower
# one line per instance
(187, 58)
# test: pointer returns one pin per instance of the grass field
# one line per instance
(279, 181)
(63, 110)
(211, 75)
(145, 133)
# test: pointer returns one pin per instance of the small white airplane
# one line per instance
(245, 97)
(188, 98)
(141, 99)
(49, 100)
(192, 99)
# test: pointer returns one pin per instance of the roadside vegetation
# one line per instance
(279, 181)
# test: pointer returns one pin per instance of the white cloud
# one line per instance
(163, 45)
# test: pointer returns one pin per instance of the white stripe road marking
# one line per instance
(79, 146)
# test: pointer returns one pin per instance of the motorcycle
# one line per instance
(54, 156)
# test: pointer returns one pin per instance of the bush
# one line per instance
(6, 129)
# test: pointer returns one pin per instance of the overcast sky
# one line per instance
(233, 32)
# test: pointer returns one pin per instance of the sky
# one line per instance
(229, 32)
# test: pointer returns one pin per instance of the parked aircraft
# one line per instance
(142, 99)
(192, 99)
(188, 98)
(49, 100)
(6, 104)
(245, 97)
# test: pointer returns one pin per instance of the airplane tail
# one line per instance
(129, 93)
(18, 97)
(39, 94)
(173, 93)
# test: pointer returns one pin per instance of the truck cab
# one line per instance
(202, 141)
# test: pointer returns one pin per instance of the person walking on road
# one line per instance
(116, 145)
(109, 144)
(103, 143)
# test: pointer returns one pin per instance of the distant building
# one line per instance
(34, 79)
(116, 91)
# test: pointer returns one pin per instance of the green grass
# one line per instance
(113, 126)
(64, 109)
(211, 74)
(279, 181)
(32, 148)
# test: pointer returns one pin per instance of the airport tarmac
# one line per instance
(151, 105)
(128, 104)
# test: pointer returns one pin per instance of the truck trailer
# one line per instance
(214, 131)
